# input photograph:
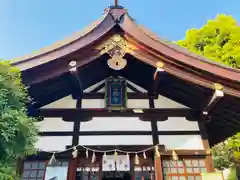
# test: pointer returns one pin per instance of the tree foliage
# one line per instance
(17, 131)
(218, 40)
(227, 155)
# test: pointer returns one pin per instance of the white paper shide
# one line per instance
(116, 163)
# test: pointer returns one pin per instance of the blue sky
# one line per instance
(28, 25)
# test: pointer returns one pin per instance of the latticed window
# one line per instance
(144, 172)
(187, 169)
(34, 170)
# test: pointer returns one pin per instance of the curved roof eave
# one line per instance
(120, 16)
(155, 37)
(44, 55)
(176, 52)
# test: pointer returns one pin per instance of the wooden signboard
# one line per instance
(212, 176)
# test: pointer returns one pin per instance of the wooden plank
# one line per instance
(72, 114)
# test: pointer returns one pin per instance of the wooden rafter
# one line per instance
(212, 102)
(78, 90)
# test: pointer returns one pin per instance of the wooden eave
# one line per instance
(178, 62)
(188, 78)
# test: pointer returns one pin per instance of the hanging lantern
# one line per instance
(174, 155)
(157, 154)
(144, 155)
(93, 157)
(136, 159)
(86, 153)
(52, 161)
(75, 152)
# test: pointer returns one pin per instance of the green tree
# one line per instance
(17, 131)
(218, 40)
(227, 154)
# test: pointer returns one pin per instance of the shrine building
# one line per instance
(115, 101)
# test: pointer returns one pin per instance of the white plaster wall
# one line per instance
(177, 124)
(115, 140)
(53, 143)
(138, 103)
(191, 142)
(115, 124)
(93, 103)
(163, 102)
(66, 102)
(54, 124)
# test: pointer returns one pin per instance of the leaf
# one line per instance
(17, 131)
(218, 40)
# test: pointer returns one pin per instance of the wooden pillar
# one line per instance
(204, 136)
(132, 166)
(153, 122)
(158, 168)
(72, 169)
(157, 160)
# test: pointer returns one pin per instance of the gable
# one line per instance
(69, 102)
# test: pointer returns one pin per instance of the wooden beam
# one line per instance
(78, 87)
(116, 133)
(99, 87)
(215, 98)
(101, 95)
(156, 78)
(157, 113)
(204, 136)
(153, 124)
(76, 126)
(133, 88)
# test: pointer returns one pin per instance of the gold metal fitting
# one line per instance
(160, 64)
(218, 86)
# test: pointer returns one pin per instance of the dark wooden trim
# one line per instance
(153, 123)
(135, 90)
(76, 126)
(77, 89)
(101, 95)
(116, 133)
(76, 129)
(99, 87)
(204, 136)
(79, 103)
(158, 114)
